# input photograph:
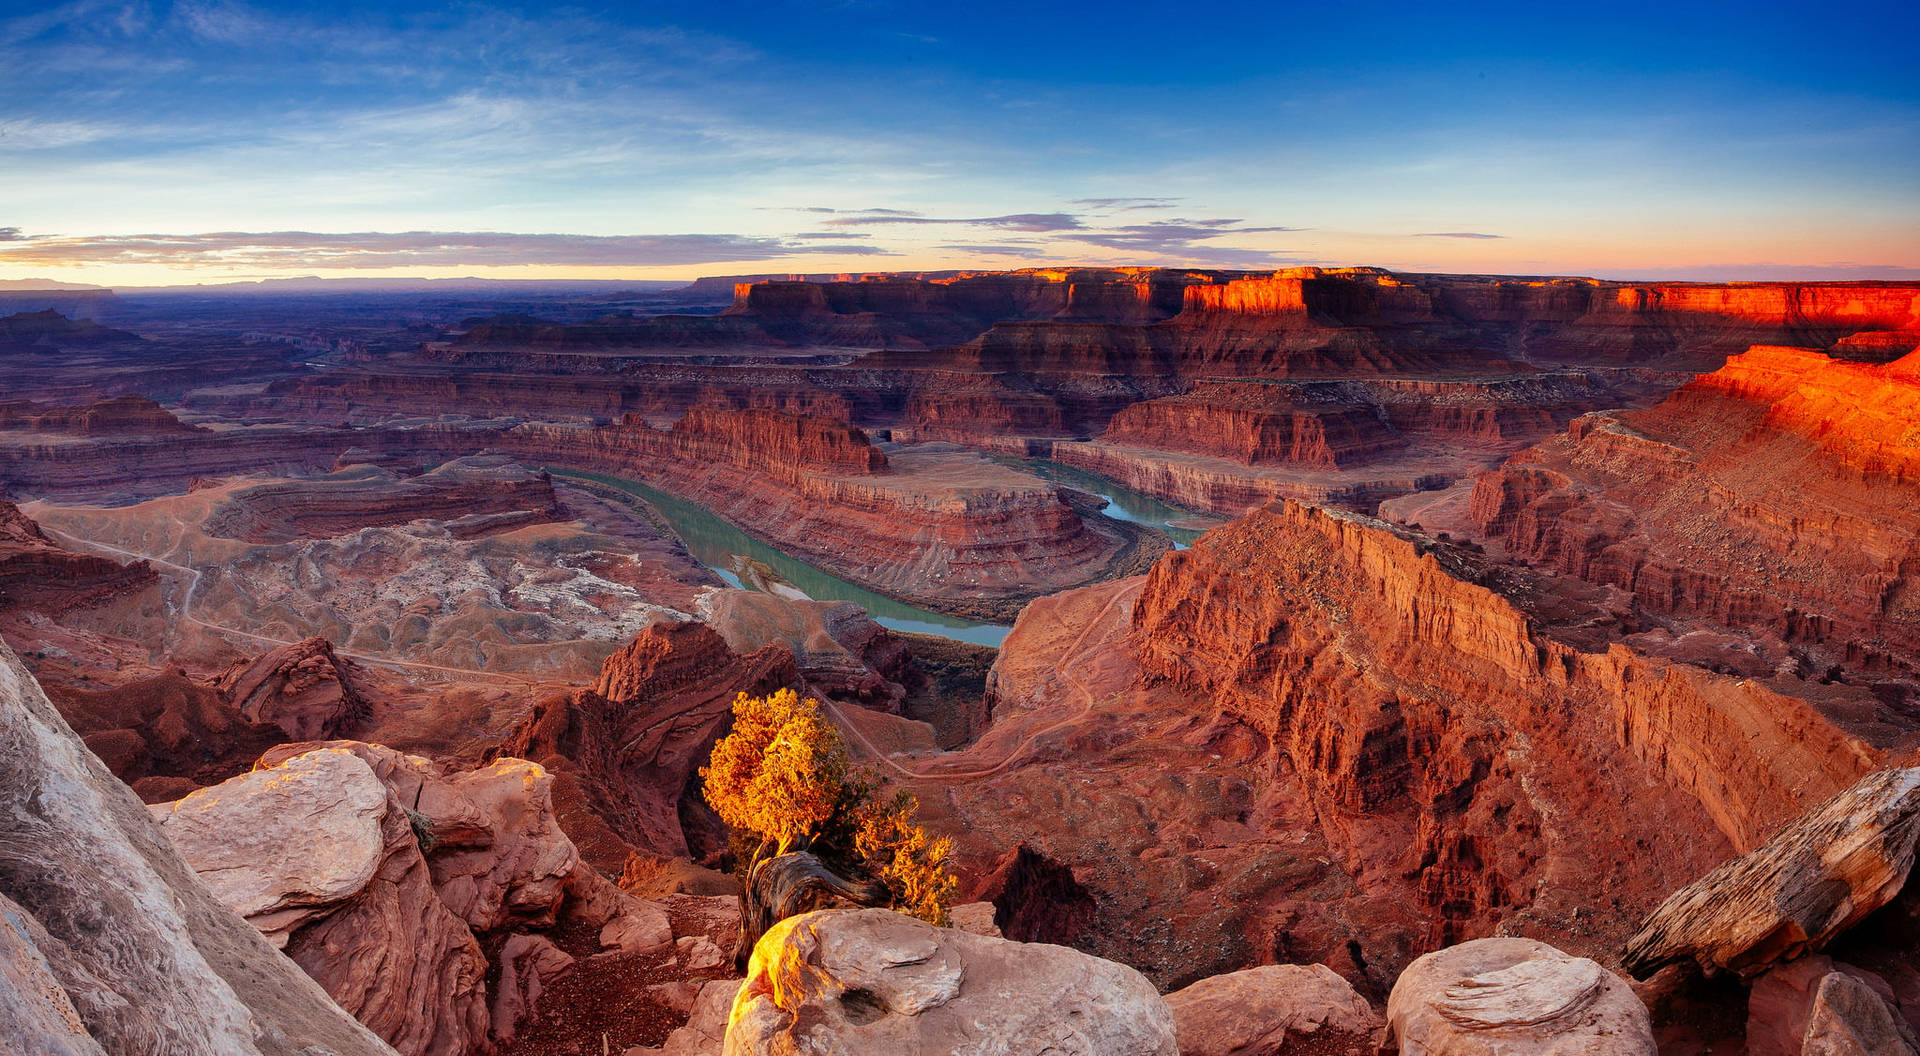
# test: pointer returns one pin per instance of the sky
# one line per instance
(214, 140)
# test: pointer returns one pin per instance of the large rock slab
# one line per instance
(347, 892)
(872, 981)
(1270, 1011)
(1818, 877)
(145, 958)
(236, 836)
(1514, 997)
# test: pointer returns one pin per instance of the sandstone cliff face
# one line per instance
(120, 466)
(1255, 425)
(1453, 677)
(1778, 495)
(792, 444)
(1317, 738)
(130, 953)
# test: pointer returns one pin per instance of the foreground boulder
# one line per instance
(857, 981)
(352, 880)
(1273, 1010)
(109, 943)
(1514, 997)
(400, 874)
(1818, 877)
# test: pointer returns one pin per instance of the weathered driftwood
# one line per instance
(788, 885)
(1813, 881)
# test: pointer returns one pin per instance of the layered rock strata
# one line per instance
(37, 573)
(1778, 495)
(945, 529)
(1317, 738)
(473, 496)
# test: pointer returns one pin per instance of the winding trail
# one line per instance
(187, 616)
(1075, 655)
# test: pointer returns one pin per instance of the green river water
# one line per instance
(720, 546)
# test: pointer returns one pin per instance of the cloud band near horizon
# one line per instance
(374, 249)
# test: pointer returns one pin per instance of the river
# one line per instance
(727, 550)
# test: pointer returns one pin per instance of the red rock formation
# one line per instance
(305, 689)
(474, 496)
(73, 467)
(168, 726)
(944, 529)
(36, 573)
(1259, 425)
(118, 416)
(1412, 724)
(1219, 485)
(624, 751)
(1778, 495)
(787, 443)
(1318, 738)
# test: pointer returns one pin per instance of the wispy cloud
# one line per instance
(1455, 234)
(1010, 222)
(313, 250)
(30, 134)
(1126, 204)
(1024, 250)
(11, 234)
(876, 211)
(1174, 236)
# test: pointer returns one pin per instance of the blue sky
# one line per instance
(211, 140)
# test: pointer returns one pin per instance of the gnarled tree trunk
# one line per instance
(787, 885)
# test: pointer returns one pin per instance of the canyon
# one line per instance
(1521, 605)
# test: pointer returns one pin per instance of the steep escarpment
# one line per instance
(1317, 738)
(1256, 425)
(122, 466)
(1391, 680)
(868, 311)
(1777, 496)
